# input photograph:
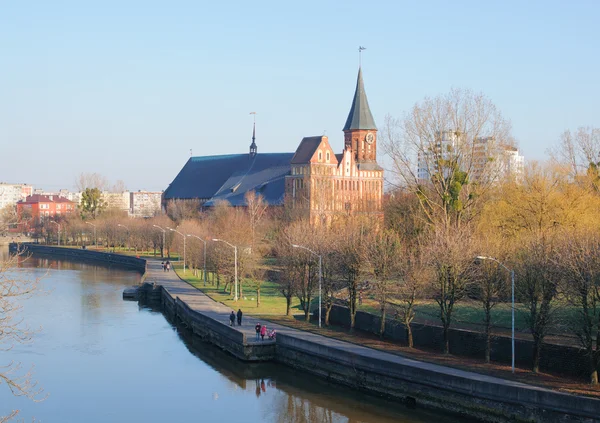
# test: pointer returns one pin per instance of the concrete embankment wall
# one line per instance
(81, 255)
(444, 391)
(213, 331)
(565, 359)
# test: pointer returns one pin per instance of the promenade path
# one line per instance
(202, 303)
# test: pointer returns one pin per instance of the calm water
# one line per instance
(101, 359)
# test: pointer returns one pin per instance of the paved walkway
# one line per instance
(200, 302)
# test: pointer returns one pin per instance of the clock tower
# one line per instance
(360, 132)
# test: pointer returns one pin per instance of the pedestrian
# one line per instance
(263, 332)
(232, 318)
(168, 265)
(239, 317)
(163, 265)
(257, 329)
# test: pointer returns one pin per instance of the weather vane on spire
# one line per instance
(360, 49)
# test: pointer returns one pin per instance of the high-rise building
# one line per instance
(10, 194)
(145, 204)
(483, 158)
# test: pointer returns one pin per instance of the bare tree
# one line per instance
(349, 261)
(15, 286)
(91, 181)
(578, 151)
(447, 150)
(381, 255)
(580, 273)
(537, 286)
(414, 276)
(450, 257)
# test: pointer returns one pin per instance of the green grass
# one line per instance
(272, 301)
(471, 313)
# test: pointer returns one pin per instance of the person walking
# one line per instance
(239, 317)
(232, 318)
(257, 329)
(263, 332)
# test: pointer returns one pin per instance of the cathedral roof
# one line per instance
(360, 116)
(229, 177)
(306, 149)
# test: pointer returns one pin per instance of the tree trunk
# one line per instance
(593, 368)
(288, 305)
(307, 314)
(258, 296)
(382, 326)
(327, 312)
(488, 335)
(409, 335)
(537, 346)
(446, 340)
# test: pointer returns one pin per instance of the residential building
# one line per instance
(483, 158)
(10, 194)
(36, 209)
(117, 200)
(145, 204)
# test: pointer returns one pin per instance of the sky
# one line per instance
(127, 88)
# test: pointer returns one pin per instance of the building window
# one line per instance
(328, 156)
(320, 156)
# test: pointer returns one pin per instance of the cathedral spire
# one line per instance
(253, 148)
(360, 116)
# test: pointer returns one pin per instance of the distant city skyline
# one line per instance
(126, 90)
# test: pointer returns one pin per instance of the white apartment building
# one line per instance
(117, 200)
(75, 197)
(145, 204)
(484, 159)
(10, 194)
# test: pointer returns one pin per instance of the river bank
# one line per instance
(418, 383)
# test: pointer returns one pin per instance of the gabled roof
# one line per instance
(360, 116)
(39, 198)
(306, 149)
(229, 177)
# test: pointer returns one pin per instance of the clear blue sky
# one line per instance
(127, 88)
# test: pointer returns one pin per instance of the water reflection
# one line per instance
(103, 359)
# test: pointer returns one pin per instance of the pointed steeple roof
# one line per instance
(360, 116)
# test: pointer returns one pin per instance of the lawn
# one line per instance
(272, 301)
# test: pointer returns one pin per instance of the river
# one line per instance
(101, 359)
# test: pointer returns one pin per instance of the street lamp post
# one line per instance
(95, 239)
(235, 297)
(162, 252)
(174, 230)
(320, 274)
(204, 241)
(512, 284)
(127, 229)
(58, 233)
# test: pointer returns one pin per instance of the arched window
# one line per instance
(320, 155)
(328, 156)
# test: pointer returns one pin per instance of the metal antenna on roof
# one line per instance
(360, 49)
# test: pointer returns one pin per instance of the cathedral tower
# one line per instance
(360, 132)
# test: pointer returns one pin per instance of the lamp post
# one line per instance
(174, 230)
(235, 297)
(320, 274)
(127, 229)
(512, 284)
(162, 252)
(58, 234)
(204, 241)
(95, 239)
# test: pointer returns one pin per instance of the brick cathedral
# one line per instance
(314, 182)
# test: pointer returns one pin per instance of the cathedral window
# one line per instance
(327, 157)
(320, 156)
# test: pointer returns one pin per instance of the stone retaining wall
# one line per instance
(81, 255)
(417, 385)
